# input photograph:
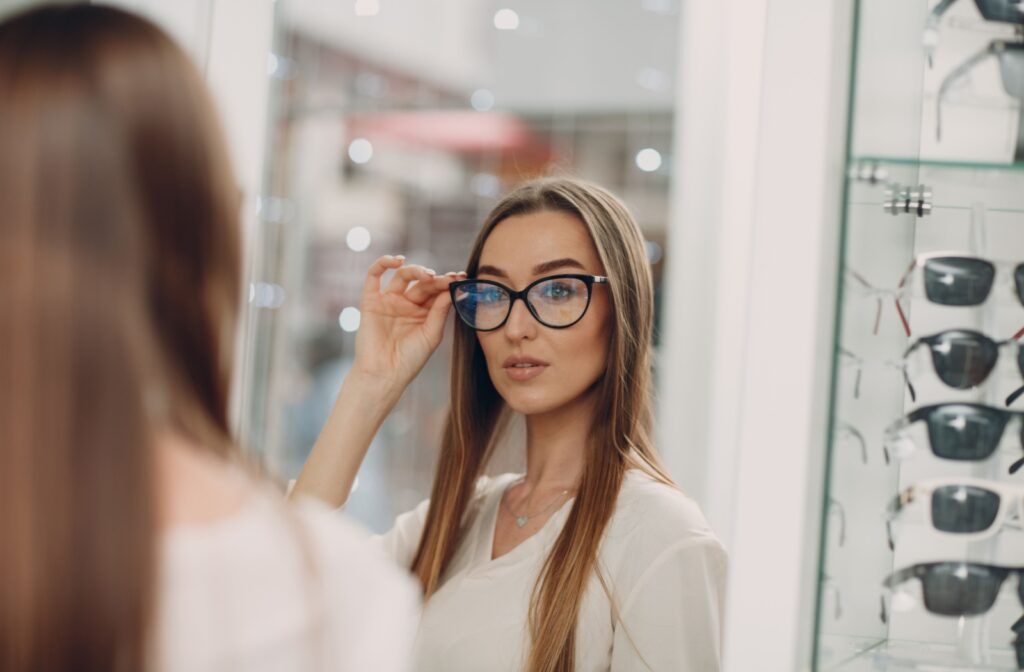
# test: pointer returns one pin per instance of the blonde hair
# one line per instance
(620, 436)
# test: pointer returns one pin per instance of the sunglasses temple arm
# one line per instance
(1014, 396)
(955, 75)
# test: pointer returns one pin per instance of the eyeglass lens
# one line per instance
(958, 281)
(1005, 11)
(557, 302)
(960, 432)
(964, 509)
(961, 588)
(963, 359)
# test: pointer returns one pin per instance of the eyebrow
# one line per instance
(547, 266)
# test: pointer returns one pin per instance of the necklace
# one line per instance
(521, 520)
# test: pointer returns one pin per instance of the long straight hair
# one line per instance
(119, 285)
(620, 437)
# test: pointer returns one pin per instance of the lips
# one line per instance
(521, 368)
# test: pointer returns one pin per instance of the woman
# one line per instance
(132, 539)
(591, 560)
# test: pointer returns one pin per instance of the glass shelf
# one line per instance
(1016, 168)
(858, 654)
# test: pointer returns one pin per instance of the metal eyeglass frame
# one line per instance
(1002, 11)
(589, 280)
(1011, 68)
(908, 288)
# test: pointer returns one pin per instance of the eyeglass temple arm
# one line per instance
(890, 433)
(951, 78)
(906, 376)
(897, 504)
(895, 579)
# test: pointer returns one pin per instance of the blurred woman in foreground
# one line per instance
(132, 539)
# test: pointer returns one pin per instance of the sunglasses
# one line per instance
(948, 279)
(1003, 11)
(961, 432)
(963, 359)
(956, 588)
(556, 301)
(1011, 67)
(970, 508)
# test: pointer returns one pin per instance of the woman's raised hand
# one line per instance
(402, 323)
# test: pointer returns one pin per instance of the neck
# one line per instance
(555, 444)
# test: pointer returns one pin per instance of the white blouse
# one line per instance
(667, 573)
(280, 586)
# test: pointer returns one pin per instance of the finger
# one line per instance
(404, 276)
(437, 315)
(377, 270)
(424, 290)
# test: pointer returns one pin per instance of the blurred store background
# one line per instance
(394, 127)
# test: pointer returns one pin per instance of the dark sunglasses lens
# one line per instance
(559, 302)
(962, 359)
(1004, 11)
(960, 588)
(961, 432)
(958, 281)
(963, 508)
(481, 305)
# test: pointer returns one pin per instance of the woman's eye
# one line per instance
(490, 295)
(559, 290)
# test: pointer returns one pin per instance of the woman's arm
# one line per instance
(400, 327)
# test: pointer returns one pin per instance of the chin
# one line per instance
(532, 401)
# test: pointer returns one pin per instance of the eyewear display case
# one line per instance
(922, 533)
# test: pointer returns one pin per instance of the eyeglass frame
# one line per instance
(997, 48)
(906, 287)
(589, 280)
(1009, 494)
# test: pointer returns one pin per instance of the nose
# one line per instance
(520, 324)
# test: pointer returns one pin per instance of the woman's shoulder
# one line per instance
(652, 516)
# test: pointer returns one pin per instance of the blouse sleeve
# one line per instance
(402, 540)
(671, 620)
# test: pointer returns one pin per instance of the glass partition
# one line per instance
(914, 542)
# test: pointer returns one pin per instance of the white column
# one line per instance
(750, 294)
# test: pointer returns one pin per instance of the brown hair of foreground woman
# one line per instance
(119, 281)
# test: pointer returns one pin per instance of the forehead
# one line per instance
(521, 242)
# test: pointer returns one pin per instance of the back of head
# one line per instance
(118, 287)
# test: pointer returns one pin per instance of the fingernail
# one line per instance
(400, 256)
(431, 271)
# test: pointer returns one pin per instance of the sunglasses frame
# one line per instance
(931, 343)
(922, 414)
(921, 570)
(1000, 49)
(924, 491)
(589, 280)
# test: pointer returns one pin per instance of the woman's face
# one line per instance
(537, 369)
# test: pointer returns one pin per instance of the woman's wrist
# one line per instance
(370, 391)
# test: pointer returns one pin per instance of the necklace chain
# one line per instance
(521, 520)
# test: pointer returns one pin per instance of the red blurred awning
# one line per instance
(463, 131)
